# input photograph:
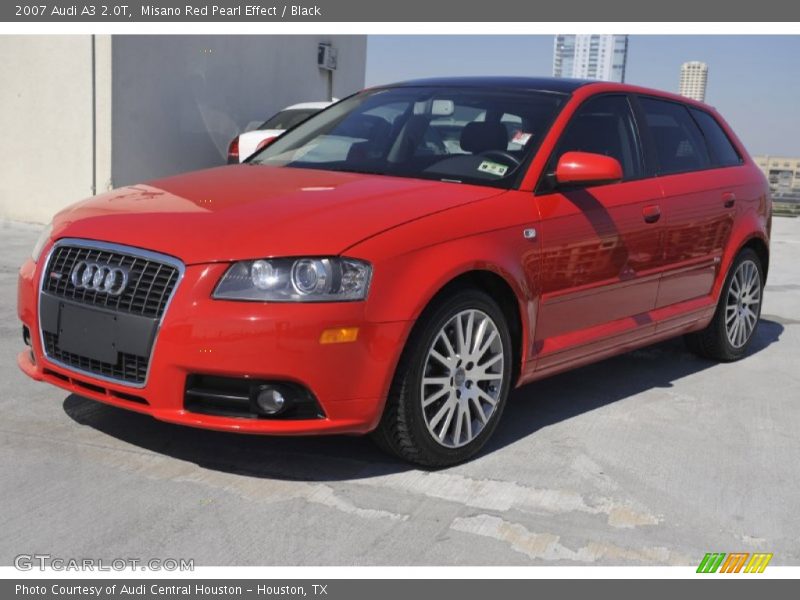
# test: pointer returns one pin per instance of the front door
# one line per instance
(601, 245)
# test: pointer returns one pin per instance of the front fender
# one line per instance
(413, 263)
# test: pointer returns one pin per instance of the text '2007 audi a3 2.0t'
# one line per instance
(400, 262)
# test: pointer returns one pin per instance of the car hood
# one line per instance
(250, 211)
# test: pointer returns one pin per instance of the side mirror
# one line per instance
(587, 168)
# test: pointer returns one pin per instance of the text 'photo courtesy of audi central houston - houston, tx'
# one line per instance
(401, 261)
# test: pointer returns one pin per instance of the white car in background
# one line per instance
(247, 143)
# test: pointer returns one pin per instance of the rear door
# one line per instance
(601, 244)
(699, 202)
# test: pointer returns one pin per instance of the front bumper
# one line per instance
(276, 341)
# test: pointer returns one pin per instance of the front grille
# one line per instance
(151, 282)
(129, 368)
(149, 287)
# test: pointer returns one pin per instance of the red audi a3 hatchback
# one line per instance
(400, 262)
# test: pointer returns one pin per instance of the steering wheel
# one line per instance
(437, 142)
(502, 154)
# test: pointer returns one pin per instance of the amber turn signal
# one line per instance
(339, 335)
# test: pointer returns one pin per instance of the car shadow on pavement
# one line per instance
(575, 392)
(337, 458)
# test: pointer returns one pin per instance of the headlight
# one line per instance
(40, 243)
(296, 280)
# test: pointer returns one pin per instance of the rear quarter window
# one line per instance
(723, 152)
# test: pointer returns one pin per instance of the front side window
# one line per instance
(603, 125)
(678, 141)
(465, 135)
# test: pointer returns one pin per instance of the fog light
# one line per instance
(269, 400)
(26, 335)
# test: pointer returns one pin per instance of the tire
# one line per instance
(456, 391)
(721, 339)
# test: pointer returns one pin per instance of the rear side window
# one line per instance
(723, 154)
(603, 125)
(678, 141)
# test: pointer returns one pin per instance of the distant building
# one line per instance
(694, 76)
(782, 173)
(590, 57)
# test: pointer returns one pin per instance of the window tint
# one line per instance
(678, 141)
(603, 125)
(722, 151)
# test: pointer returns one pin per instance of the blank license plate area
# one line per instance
(88, 333)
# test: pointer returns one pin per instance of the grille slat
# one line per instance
(150, 282)
(129, 368)
(150, 285)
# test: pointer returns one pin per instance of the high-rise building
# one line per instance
(590, 57)
(694, 76)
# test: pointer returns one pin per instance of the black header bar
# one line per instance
(456, 11)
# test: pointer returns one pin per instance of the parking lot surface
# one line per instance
(654, 457)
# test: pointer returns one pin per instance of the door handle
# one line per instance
(728, 199)
(651, 213)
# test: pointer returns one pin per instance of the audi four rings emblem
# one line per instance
(92, 276)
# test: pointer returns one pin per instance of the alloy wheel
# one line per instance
(462, 378)
(743, 303)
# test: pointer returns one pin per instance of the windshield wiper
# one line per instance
(362, 171)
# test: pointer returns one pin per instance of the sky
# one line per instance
(753, 80)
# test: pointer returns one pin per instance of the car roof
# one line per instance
(547, 84)
(563, 85)
(307, 105)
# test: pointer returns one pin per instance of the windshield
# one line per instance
(286, 119)
(465, 135)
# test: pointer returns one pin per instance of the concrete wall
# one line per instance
(179, 100)
(85, 113)
(103, 110)
(46, 122)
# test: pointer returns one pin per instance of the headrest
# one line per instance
(477, 137)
